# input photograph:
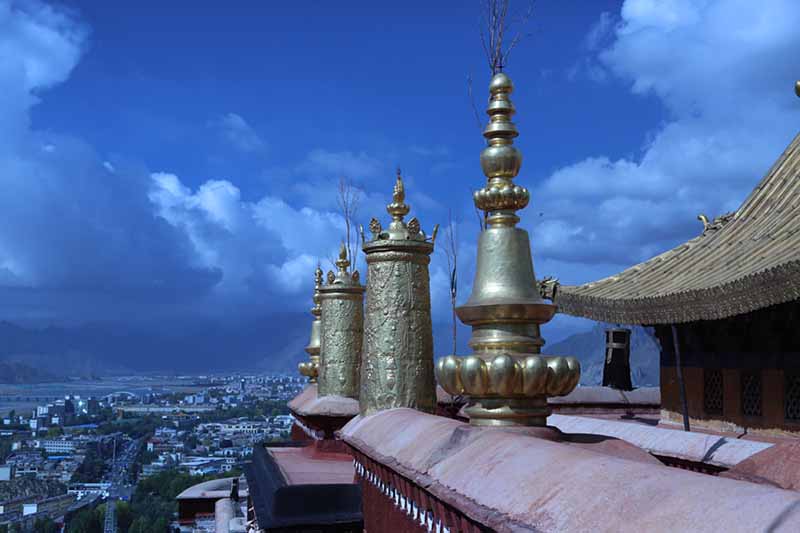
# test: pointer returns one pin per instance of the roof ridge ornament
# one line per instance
(717, 223)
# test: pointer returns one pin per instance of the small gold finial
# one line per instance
(317, 310)
(342, 263)
(398, 208)
(318, 276)
(797, 88)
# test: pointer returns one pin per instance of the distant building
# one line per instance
(56, 446)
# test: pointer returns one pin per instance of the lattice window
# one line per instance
(712, 391)
(751, 393)
(791, 397)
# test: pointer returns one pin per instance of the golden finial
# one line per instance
(318, 276)
(317, 310)
(342, 263)
(500, 160)
(797, 88)
(398, 208)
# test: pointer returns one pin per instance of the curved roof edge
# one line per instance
(756, 291)
(742, 262)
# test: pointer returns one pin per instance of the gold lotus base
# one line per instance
(309, 369)
(508, 411)
(508, 390)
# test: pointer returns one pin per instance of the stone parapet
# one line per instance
(508, 480)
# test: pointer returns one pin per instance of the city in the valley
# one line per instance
(67, 459)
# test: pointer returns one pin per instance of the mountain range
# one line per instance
(271, 343)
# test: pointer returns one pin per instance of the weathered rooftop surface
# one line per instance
(738, 264)
(308, 465)
(213, 490)
(510, 481)
(308, 403)
(645, 396)
(778, 465)
(720, 451)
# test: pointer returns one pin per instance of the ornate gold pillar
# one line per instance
(310, 368)
(506, 379)
(397, 365)
(342, 302)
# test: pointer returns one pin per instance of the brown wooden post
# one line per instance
(679, 373)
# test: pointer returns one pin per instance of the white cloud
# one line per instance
(353, 165)
(239, 134)
(266, 246)
(724, 71)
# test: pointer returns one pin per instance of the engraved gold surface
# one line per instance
(310, 368)
(506, 379)
(397, 367)
(342, 330)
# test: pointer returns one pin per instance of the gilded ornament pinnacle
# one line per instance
(343, 277)
(342, 263)
(316, 310)
(398, 229)
(398, 208)
(310, 368)
(506, 379)
(500, 160)
(797, 88)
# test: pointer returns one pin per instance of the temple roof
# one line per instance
(742, 262)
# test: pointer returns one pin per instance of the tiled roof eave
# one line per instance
(773, 286)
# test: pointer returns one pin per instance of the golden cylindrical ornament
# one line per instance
(342, 302)
(310, 368)
(397, 365)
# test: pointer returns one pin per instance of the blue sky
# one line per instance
(166, 162)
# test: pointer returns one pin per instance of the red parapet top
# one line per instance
(508, 479)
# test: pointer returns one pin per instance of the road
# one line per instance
(121, 487)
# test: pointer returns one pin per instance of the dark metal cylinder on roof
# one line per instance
(397, 367)
(342, 302)
(617, 367)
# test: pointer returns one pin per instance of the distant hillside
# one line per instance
(272, 342)
(14, 373)
(589, 347)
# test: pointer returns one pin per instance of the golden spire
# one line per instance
(797, 88)
(500, 160)
(310, 368)
(398, 230)
(342, 263)
(398, 208)
(507, 380)
(342, 277)
(316, 310)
